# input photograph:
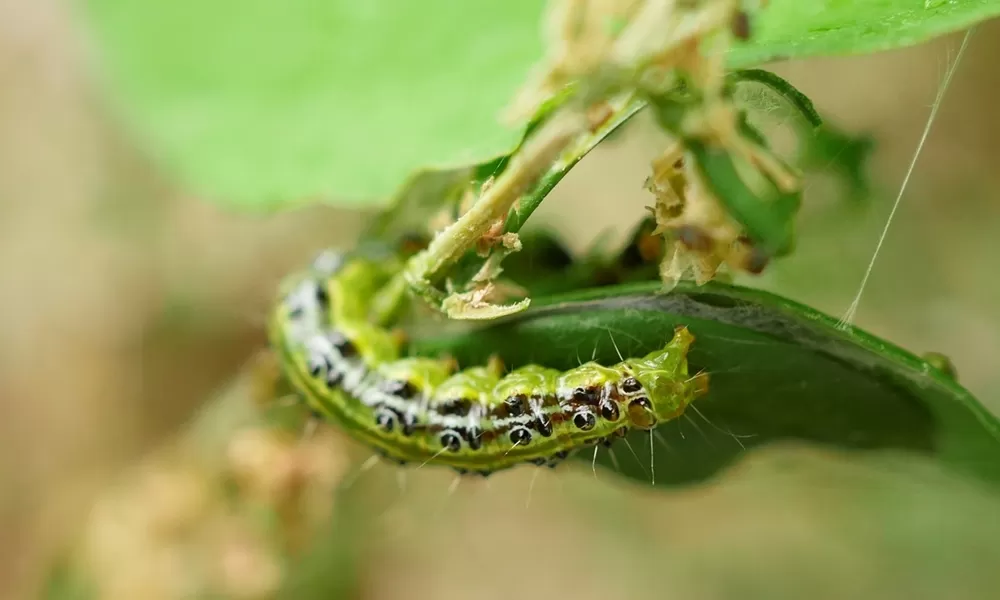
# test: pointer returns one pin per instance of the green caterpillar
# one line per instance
(349, 370)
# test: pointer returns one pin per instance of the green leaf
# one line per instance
(769, 219)
(847, 155)
(271, 102)
(430, 191)
(788, 29)
(410, 217)
(779, 371)
(822, 147)
(781, 95)
(425, 194)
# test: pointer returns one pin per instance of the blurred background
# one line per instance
(125, 303)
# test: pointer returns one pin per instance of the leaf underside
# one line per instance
(779, 371)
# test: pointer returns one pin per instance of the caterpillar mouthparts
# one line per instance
(419, 409)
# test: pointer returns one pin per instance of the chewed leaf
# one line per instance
(778, 371)
(767, 215)
(500, 234)
(821, 147)
(464, 307)
(792, 101)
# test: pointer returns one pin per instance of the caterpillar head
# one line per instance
(656, 388)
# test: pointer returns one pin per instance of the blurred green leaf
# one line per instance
(789, 29)
(66, 583)
(271, 103)
(779, 371)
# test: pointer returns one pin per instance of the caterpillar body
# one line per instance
(413, 409)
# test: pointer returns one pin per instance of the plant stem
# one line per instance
(524, 170)
(623, 111)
